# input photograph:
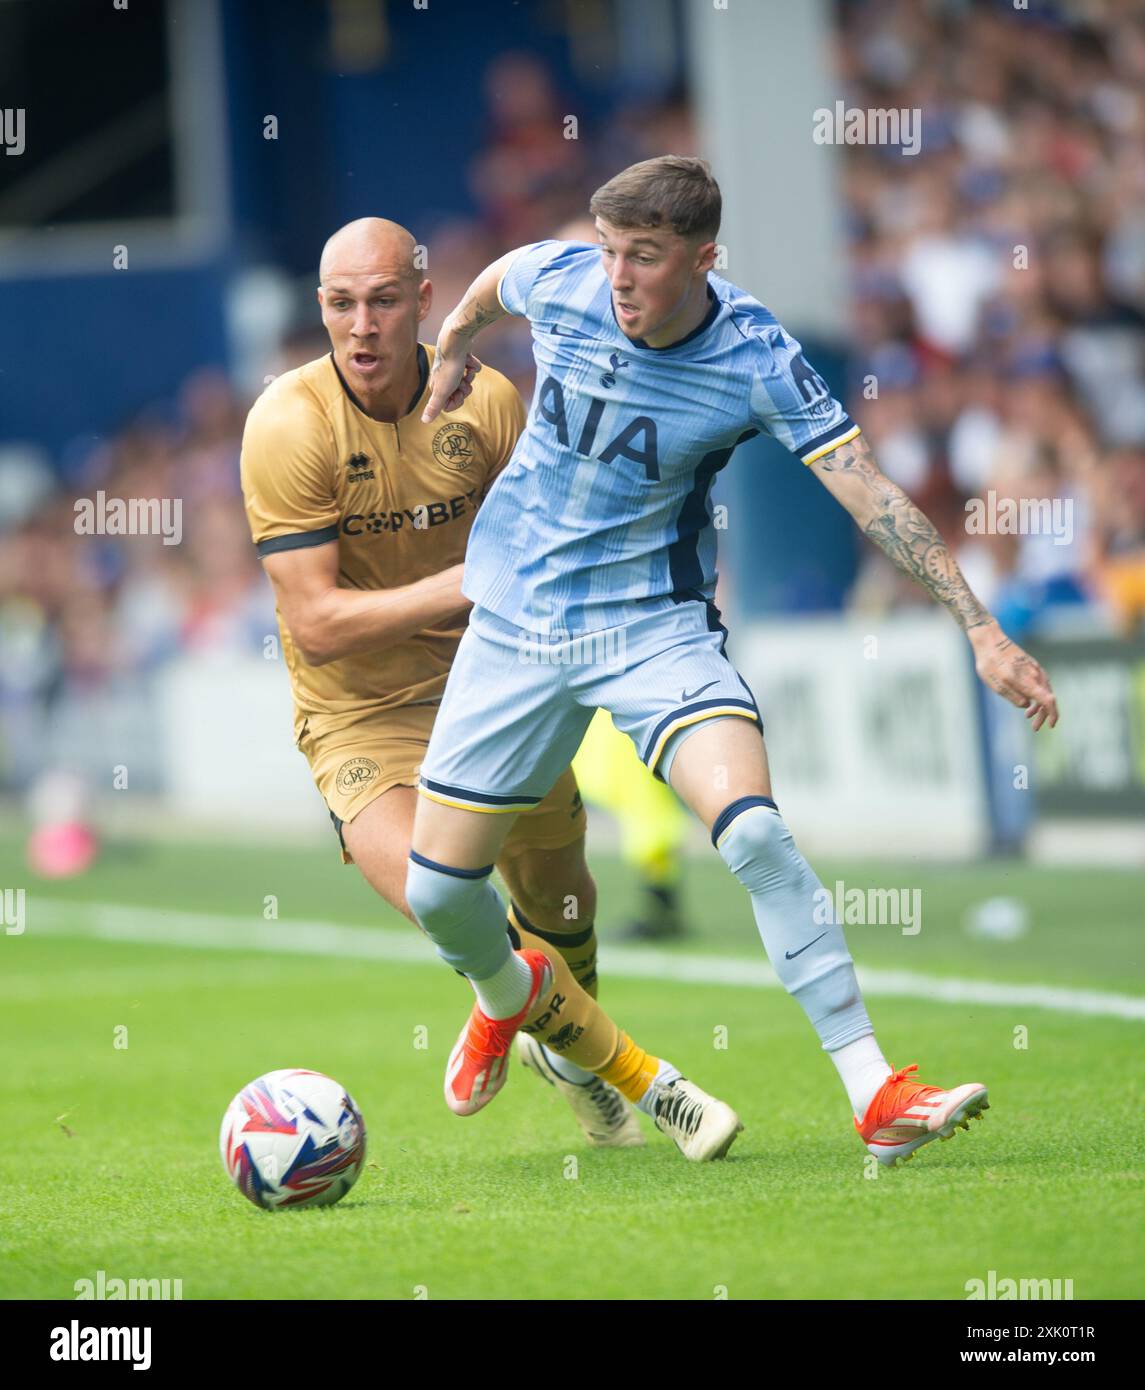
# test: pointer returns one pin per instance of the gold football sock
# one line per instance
(578, 946)
(572, 1024)
(567, 1019)
(632, 1071)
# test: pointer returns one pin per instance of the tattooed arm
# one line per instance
(454, 367)
(887, 515)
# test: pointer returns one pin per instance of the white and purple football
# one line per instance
(293, 1138)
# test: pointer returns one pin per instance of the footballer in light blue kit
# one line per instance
(591, 568)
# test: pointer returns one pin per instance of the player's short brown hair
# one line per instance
(669, 191)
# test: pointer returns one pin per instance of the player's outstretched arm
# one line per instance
(327, 622)
(454, 366)
(887, 515)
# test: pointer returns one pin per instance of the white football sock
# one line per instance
(665, 1073)
(862, 1070)
(505, 992)
(567, 1070)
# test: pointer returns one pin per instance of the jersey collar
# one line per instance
(422, 379)
(702, 327)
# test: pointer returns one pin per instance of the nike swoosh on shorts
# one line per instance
(686, 696)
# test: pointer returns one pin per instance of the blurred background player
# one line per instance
(361, 513)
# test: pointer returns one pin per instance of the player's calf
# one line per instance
(461, 913)
(806, 947)
(553, 904)
(553, 896)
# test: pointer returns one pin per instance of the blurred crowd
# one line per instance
(998, 330)
(998, 281)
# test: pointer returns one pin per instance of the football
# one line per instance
(293, 1138)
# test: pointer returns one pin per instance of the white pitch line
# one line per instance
(213, 931)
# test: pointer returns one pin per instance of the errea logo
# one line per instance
(358, 468)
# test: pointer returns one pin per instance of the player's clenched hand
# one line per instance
(451, 380)
(1014, 674)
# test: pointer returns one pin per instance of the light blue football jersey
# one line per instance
(603, 513)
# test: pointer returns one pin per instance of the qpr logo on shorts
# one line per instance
(358, 772)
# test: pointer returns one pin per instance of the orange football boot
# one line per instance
(478, 1065)
(905, 1114)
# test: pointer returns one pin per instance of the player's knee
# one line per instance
(461, 915)
(556, 892)
(582, 908)
(566, 906)
(750, 833)
(441, 900)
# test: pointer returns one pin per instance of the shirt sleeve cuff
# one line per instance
(841, 433)
(297, 540)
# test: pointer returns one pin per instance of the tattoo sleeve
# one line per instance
(471, 316)
(900, 530)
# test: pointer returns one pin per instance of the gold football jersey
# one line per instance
(399, 500)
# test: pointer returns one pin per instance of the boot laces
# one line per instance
(485, 1037)
(679, 1110)
(608, 1101)
(892, 1100)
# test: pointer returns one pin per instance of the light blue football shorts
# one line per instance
(517, 704)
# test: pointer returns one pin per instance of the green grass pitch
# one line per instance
(111, 1160)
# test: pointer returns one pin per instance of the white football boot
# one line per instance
(702, 1127)
(605, 1118)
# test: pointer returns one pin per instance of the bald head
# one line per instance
(373, 297)
(369, 246)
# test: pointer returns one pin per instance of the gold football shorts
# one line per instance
(354, 764)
